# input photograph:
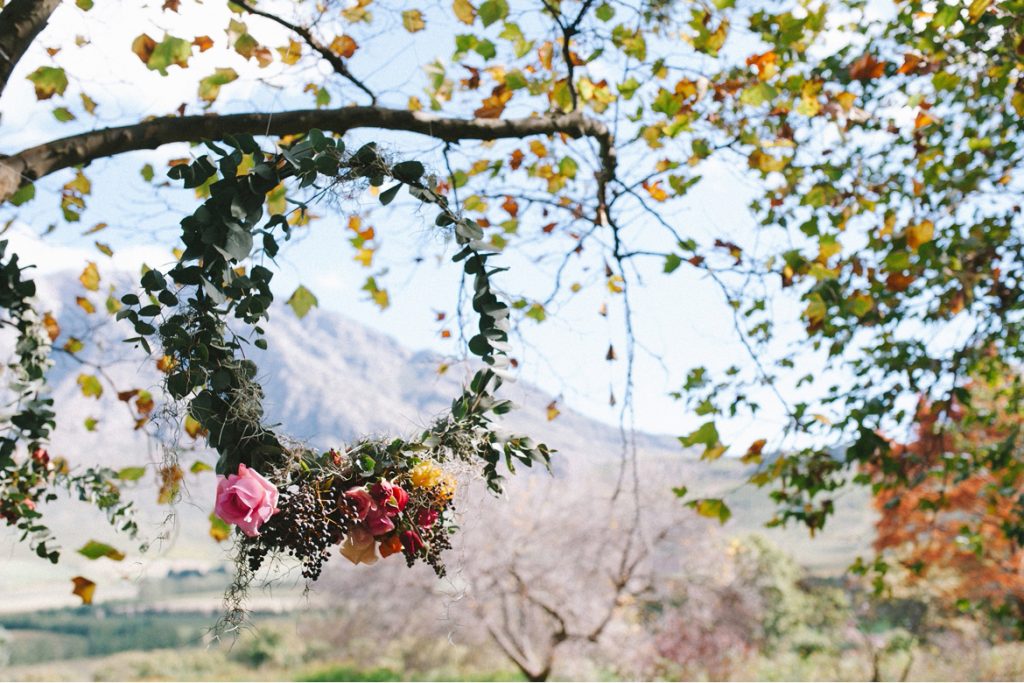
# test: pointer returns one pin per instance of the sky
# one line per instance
(681, 320)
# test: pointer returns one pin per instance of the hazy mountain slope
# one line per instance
(327, 380)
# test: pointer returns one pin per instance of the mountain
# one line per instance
(327, 380)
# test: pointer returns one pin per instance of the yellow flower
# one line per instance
(425, 475)
(446, 487)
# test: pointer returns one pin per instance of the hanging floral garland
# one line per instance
(376, 498)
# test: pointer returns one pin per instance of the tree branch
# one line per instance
(37, 162)
(335, 60)
(20, 23)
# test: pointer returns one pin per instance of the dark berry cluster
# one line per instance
(311, 520)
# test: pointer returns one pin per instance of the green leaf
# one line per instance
(25, 193)
(209, 87)
(84, 5)
(199, 466)
(49, 81)
(147, 172)
(715, 508)
(168, 52)
(302, 300)
(706, 434)
(94, 550)
(63, 114)
(492, 11)
(131, 473)
(219, 529)
(605, 12)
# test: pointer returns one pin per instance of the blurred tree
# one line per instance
(948, 530)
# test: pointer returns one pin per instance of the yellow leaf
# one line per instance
(193, 428)
(615, 284)
(290, 54)
(464, 11)
(538, 148)
(412, 20)
(90, 277)
(83, 588)
(553, 411)
(219, 529)
(85, 304)
(365, 257)
(920, 234)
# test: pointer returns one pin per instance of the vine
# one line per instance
(28, 480)
(379, 496)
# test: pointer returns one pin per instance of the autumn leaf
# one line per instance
(94, 550)
(204, 43)
(553, 411)
(90, 277)
(464, 11)
(209, 87)
(302, 300)
(48, 81)
(656, 191)
(193, 428)
(344, 45)
(85, 305)
(170, 483)
(919, 234)
(90, 386)
(51, 325)
(494, 105)
(412, 20)
(867, 68)
(291, 53)
(220, 530)
(83, 588)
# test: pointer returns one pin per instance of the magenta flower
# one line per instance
(412, 542)
(426, 518)
(246, 499)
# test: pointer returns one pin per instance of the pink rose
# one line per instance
(245, 499)
(361, 497)
(427, 517)
(378, 522)
(412, 542)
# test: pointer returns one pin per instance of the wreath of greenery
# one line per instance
(188, 313)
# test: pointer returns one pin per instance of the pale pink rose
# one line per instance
(245, 499)
(359, 547)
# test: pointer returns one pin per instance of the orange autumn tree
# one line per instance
(948, 526)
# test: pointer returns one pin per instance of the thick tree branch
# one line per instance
(20, 23)
(37, 162)
(335, 60)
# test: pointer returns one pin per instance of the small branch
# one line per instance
(332, 58)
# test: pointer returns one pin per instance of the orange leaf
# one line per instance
(51, 325)
(867, 68)
(204, 43)
(84, 588)
(344, 45)
(510, 206)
